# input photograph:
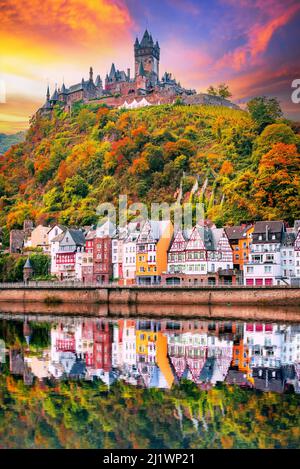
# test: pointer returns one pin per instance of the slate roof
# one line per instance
(208, 369)
(235, 233)
(77, 236)
(273, 226)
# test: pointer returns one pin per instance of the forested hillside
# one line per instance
(68, 164)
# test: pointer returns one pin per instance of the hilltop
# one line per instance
(69, 163)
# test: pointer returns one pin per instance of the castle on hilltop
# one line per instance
(122, 90)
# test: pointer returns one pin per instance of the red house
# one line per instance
(102, 259)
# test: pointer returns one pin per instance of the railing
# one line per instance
(81, 285)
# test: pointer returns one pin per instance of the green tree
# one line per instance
(85, 119)
(75, 186)
(223, 91)
(212, 91)
(264, 111)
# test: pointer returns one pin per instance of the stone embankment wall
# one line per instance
(154, 295)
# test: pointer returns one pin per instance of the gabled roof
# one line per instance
(106, 229)
(235, 233)
(273, 226)
(77, 236)
(58, 238)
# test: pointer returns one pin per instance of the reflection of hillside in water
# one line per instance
(153, 353)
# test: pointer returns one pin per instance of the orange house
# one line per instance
(240, 238)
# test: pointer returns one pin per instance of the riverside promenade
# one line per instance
(78, 293)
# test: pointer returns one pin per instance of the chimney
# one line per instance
(128, 73)
(267, 228)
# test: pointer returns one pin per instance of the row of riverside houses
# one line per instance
(265, 253)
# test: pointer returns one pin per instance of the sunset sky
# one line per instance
(252, 45)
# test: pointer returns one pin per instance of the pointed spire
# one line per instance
(141, 71)
(54, 97)
(98, 81)
(112, 72)
(27, 264)
(48, 93)
(145, 40)
(63, 88)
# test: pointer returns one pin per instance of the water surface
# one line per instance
(95, 382)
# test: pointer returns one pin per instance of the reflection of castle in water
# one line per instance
(157, 354)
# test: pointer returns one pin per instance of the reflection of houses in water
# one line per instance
(265, 343)
(39, 365)
(153, 353)
(291, 345)
(187, 352)
(268, 379)
(124, 343)
(18, 366)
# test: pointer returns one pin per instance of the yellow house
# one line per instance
(152, 251)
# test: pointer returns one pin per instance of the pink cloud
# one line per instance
(271, 16)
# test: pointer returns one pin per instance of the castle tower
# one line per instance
(27, 271)
(147, 53)
(91, 74)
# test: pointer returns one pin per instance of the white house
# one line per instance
(264, 265)
(129, 253)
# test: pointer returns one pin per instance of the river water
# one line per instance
(86, 381)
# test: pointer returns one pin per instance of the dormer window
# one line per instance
(273, 236)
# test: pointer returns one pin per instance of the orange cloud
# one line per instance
(43, 41)
(65, 21)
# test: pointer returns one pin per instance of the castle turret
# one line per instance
(148, 54)
(54, 97)
(27, 271)
(112, 73)
(47, 106)
(91, 74)
(98, 82)
(141, 71)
